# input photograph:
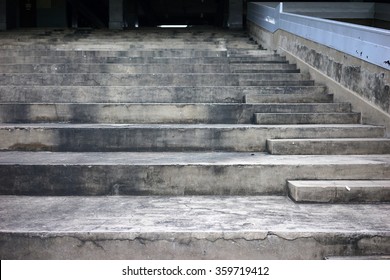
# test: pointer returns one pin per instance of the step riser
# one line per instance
(150, 113)
(171, 246)
(160, 139)
(150, 79)
(116, 68)
(128, 94)
(289, 98)
(340, 147)
(173, 180)
(135, 53)
(139, 60)
(124, 94)
(142, 68)
(351, 118)
(340, 191)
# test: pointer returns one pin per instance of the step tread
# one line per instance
(368, 191)
(179, 158)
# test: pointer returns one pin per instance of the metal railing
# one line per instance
(367, 43)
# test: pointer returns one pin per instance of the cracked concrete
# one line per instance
(188, 228)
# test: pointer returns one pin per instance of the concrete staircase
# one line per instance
(164, 144)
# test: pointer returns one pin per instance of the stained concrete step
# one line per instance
(141, 52)
(145, 68)
(152, 173)
(307, 118)
(152, 112)
(291, 97)
(160, 138)
(140, 60)
(340, 191)
(187, 79)
(329, 146)
(150, 94)
(188, 228)
(118, 68)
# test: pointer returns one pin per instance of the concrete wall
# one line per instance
(51, 13)
(350, 79)
(3, 15)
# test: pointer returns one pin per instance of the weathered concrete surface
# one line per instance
(188, 228)
(160, 138)
(307, 118)
(154, 112)
(343, 191)
(329, 146)
(38, 173)
(366, 86)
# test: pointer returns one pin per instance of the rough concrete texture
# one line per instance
(84, 186)
(343, 191)
(369, 82)
(188, 228)
(37, 173)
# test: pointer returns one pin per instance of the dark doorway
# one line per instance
(28, 13)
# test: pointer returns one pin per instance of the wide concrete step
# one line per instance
(153, 173)
(340, 191)
(145, 68)
(329, 146)
(140, 60)
(162, 138)
(118, 68)
(188, 228)
(150, 94)
(117, 79)
(152, 112)
(307, 118)
(140, 52)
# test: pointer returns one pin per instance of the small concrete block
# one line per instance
(340, 191)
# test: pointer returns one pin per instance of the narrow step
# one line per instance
(240, 68)
(288, 98)
(162, 138)
(201, 173)
(117, 68)
(229, 113)
(187, 79)
(340, 191)
(307, 118)
(188, 228)
(337, 146)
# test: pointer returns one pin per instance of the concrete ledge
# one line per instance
(343, 191)
(175, 173)
(188, 228)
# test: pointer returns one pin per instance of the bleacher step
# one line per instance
(329, 146)
(340, 191)
(167, 173)
(307, 118)
(118, 227)
(163, 137)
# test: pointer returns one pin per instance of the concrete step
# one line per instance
(141, 60)
(232, 113)
(307, 118)
(118, 68)
(105, 79)
(149, 94)
(340, 191)
(188, 228)
(329, 146)
(162, 138)
(189, 173)
(140, 52)
(144, 68)
(304, 97)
